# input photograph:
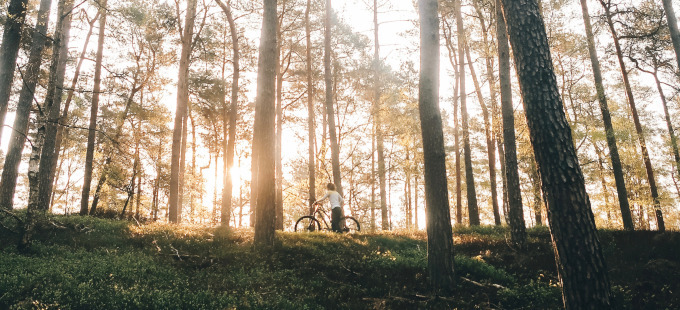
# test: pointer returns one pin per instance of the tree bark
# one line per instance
(473, 210)
(378, 119)
(67, 103)
(673, 27)
(636, 120)
(9, 51)
(20, 128)
(607, 120)
(439, 233)
(174, 205)
(94, 110)
(311, 127)
(328, 77)
(53, 103)
(232, 117)
(580, 263)
(490, 143)
(265, 115)
(509, 151)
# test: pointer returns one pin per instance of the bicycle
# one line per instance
(310, 223)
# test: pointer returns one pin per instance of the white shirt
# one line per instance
(335, 199)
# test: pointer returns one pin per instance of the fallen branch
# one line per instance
(498, 286)
(16, 217)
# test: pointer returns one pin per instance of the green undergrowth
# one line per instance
(89, 263)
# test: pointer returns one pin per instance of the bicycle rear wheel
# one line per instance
(349, 224)
(307, 224)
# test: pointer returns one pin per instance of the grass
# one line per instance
(89, 263)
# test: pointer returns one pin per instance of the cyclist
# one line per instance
(336, 206)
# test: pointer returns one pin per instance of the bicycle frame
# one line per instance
(318, 209)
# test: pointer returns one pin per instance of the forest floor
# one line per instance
(89, 263)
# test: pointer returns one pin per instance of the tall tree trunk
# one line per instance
(20, 128)
(536, 186)
(473, 210)
(53, 103)
(456, 129)
(673, 27)
(378, 119)
(580, 263)
(495, 112)
(636, 120)
(174, 205)
(311, 127)
(490, 143)
(67, 103)
(514, 192)
(328, 77)
(9, 51)
(373, 217)
(94, 110)
(415, 201)
(279, 135)
(606, 118)
(671, 132)
(233, 117)
(265, 115)
(439, 233)
(183, 163)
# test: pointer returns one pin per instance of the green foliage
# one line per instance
(534, 295)
(89, 263)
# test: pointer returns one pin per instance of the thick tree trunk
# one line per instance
(580, 263)
(606, 118)
(330, 110)
(514, 193)
(9, 51)
(439, 233)
(311, 127)
(636, 120)
(94, 110)
(20, 128)
(490, 143)
(53, 104)
(473, 209)
(174, 205)
(265, 115)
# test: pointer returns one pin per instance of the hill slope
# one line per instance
(88, 263)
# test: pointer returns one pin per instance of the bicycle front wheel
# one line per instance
(307, 223)
(349, 224)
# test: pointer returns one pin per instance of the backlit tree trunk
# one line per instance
(378, 119)
(20, 127)
(330, 110)
(473, 210)
(673, 27)
(311, 127)
(580, 263)
(606, 118)
(514, 193)
(52, 104)
(232, 117)
(265, 116)
(9, 51)
(636, 119)
(174, 205)
(94, 110)
(439, 233)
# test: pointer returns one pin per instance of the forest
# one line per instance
(488, 154)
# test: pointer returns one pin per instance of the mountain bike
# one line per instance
(311, 223)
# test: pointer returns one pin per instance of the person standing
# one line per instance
(336, 202)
